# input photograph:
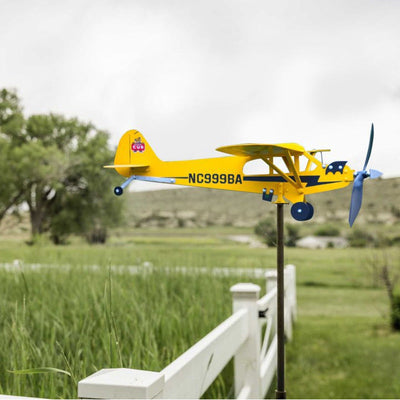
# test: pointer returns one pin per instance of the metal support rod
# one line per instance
(127, 182)
(280, 391)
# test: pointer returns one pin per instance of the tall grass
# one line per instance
(81, 321)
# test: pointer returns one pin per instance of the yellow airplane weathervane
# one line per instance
(136, 160)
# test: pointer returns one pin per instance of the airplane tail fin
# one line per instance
(133, 151)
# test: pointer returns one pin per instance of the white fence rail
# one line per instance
(240, 336)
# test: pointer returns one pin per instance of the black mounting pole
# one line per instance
(280, 391)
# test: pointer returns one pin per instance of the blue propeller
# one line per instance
(357, 193)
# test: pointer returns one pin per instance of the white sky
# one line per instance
(194, 75)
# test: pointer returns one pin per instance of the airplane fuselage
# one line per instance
(226, 173)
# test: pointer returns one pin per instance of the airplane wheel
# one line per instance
(118, 190)
(302, 211)
(310, 211)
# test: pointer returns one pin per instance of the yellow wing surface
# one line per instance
(267, 152)
(133, 166)
(263, 150)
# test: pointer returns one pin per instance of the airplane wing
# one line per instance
(313, 152)
(267, 152)
(263, 150)
(133, 166)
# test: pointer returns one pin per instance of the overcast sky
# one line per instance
(195, 75)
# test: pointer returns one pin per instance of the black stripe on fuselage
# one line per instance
(311, 180)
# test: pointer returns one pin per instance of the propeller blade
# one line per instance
(356, 197)
(373, 173)
(357, 193)
(371, 141)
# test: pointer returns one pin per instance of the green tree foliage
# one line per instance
(54, 165)
(11, 122)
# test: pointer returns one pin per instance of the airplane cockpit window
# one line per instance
(259, 167)
(255, 167)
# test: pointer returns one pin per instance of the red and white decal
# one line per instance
(138, 146)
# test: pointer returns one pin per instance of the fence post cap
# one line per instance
(246, 290)
(271, 274)
(120, 383)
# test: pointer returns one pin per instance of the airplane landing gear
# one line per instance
(302, 211)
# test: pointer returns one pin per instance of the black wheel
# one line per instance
(118, 190)
(302, 211)
(310, 211)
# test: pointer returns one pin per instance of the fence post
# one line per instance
(271, 278)
(122, 383)
(247, 359)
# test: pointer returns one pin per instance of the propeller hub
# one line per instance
(363, 173)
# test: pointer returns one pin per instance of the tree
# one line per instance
(11, 122)
(54, 165)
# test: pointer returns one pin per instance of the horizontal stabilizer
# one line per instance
(127, 166)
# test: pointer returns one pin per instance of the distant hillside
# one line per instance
(195, 207)
(204, 207)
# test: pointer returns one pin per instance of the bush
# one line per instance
(292, 235)
(266, 229)
(327, 230)
(395, 211)
(97, 235)
(360, 238)
(395, 241)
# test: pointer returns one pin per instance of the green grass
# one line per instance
(343, 356)
(80, 320)
(343, 346)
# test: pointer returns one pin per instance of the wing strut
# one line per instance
(297, 185)
(289, 163)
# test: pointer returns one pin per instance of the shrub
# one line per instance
(389, 275)
(97, 235)
(327, 230)
(292, 236)
(395, 241)
(395, 211)
(266, 229)
(360, 238)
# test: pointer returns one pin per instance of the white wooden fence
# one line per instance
(240, 336)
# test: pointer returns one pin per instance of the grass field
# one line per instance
(78, 319)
